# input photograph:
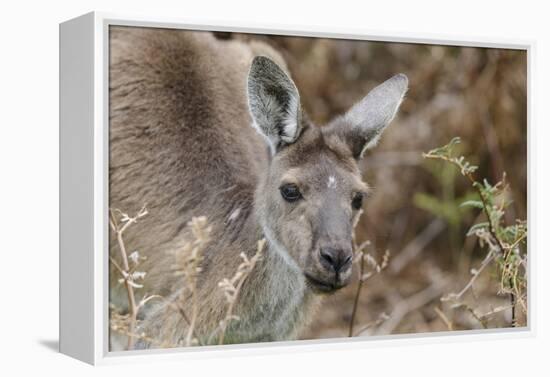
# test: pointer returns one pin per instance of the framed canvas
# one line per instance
(235, 189)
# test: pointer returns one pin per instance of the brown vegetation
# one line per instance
(476, 94)
(441, 275)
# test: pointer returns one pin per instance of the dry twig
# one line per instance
(187, 266)
(376, 268)
(413, 303)
(129, 276)
(232, 287)
(416, 246)
(444, 318)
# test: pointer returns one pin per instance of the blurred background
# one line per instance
(478, 94)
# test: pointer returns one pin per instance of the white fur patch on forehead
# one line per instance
(331, 182)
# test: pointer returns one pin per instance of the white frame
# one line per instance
(84, 318)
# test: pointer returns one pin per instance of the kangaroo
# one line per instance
(215, 128)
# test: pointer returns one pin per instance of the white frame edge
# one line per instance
(76, 190)
(84, 191)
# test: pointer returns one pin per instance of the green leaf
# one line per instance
(445, 150)
(472, 203)
(477, 226)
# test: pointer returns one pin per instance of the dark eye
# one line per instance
(357, 201)
(290, 192)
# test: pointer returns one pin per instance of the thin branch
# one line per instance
(125, 270)
(185, 317)
(478, 318)
(418, 244)
(363, 277)
(412, 303)
(467, 170)
(232, 288)
(444, 318)
(455, 296)
(357, 293)
(381, 318)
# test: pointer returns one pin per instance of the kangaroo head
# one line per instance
(312, 192)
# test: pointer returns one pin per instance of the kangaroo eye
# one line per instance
(290, 192)
(357, 201)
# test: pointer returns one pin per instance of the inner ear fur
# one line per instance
(274, 103)
(362, 126)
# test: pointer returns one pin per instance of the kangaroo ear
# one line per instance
(365, 121)
(274, 103)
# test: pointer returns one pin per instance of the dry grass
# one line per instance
(232, 287)
(130, 276)
(187, 267)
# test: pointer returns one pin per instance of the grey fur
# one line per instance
(367, 119)
(274, 102)
(181, 141)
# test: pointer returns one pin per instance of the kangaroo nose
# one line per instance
(335, 259)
